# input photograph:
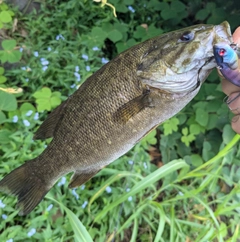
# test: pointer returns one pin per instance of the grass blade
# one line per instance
(80, 232)
(146, 182)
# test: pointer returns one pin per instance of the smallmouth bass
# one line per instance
(116, 107)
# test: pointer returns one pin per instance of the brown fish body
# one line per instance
(115, 108)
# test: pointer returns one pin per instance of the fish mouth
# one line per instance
(223, 33)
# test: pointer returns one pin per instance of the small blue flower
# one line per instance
(44, 68)
(84, 204)
(62, 181)
(73, 85)
(108, 189)
(26, 68)
(49, 207)
(26, 79)
(145, 165)
(75, 194)
(26, 122)
(58, 37)
(77, 75)
(76, 68)
(15, 119)
(85, 57)
(36, 116)
(29, 113)
(130, 198)
(104, 60)
(44, 62)
(88, 68)
(95, 48)
(35, 53)
(4, 216)
(83, 187)
(31, 232)
(9, 240)
(131, 9)
(21, 49)
(128, 189)
(49, 48)
(130, 162)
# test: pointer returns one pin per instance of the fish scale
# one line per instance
(116, 107)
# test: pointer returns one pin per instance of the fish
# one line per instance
(115, 108)
(227, 58)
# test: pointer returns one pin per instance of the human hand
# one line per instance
(233, 92)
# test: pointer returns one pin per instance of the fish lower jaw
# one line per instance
(179, 86)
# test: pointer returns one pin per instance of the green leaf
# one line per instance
(43, 104)
(3, 56)
(201, 117)
(185, 131)
(8, 101)
(25, 107)
(3, 79)
(97, 35)
(196, 160)
(45, 92)
(202, 14)
(14, 56)
(115, 35)
(9, 44)
(170, 125)
(5, 136)
(228, 133)
(1, 70)
(5, 17)
(2, 117)
(195, 129)
(55, 101)
(177, 6)
(46, 100)
(129, 2)
(139, 33)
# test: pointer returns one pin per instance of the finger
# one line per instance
(236, 36)
(228, 87)
(236, 124)
(233, 102)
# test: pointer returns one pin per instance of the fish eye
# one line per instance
(186, 37)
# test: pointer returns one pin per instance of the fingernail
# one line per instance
(230, 100)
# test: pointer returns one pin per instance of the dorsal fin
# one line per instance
(47, 128)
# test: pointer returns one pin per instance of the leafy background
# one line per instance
(180, 183)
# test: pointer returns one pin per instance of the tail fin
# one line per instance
(29, 188)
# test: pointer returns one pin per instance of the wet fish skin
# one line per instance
(116, 107)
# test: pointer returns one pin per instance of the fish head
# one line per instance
(181, 60)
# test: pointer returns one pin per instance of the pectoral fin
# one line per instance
(131, 108)
(80, 177)
(48, 127)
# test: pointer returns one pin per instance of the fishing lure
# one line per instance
(227, 57)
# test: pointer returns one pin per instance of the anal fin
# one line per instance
(80, 177)
(133, 107)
